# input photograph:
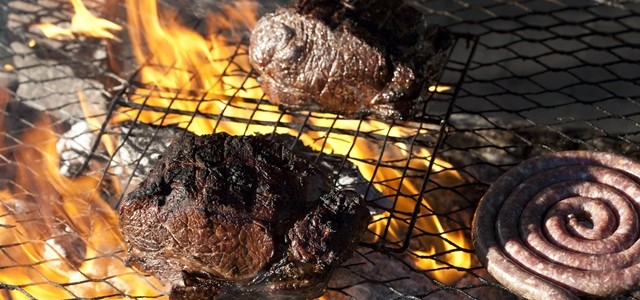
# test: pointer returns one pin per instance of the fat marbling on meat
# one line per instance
(368, 57)
(223, 216)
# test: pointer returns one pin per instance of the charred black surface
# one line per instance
(369, 57)
(228, 216)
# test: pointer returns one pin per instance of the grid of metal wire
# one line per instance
(527, 77)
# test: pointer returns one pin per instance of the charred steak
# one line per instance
(222, 216)
(366, 57)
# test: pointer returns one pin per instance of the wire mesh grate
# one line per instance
(527, 77)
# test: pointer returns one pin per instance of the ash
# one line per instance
(74, 147)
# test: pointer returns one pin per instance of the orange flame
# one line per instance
(390, 181)
(60, 239)
(445, 264)
(190, 75)
(83, 23)
(54, 32)
(191, 72)
(95, 120)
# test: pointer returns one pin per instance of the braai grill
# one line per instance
(522, 78)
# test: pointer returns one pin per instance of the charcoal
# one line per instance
(228, 216)
(351, 57)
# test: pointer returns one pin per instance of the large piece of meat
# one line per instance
(227, 216)
(366, 57)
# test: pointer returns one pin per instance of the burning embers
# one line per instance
(203, 83)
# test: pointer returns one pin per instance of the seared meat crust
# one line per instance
(350, 57)
(224, 216)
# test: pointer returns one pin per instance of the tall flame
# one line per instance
(60, 238)
(188, 71)
(190, 78)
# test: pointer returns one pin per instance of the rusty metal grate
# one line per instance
(528, 77)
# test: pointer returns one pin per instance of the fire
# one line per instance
(86, 24)
(439, 88)
(60, 238)
(83, 23)
(95, 120)
(55, 32)
(439, 244)
(189, 72)
(199, 82)
(443, 263)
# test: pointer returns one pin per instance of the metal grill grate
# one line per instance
(527, 77)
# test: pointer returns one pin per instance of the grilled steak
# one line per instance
(224, 216)
(350, 57)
